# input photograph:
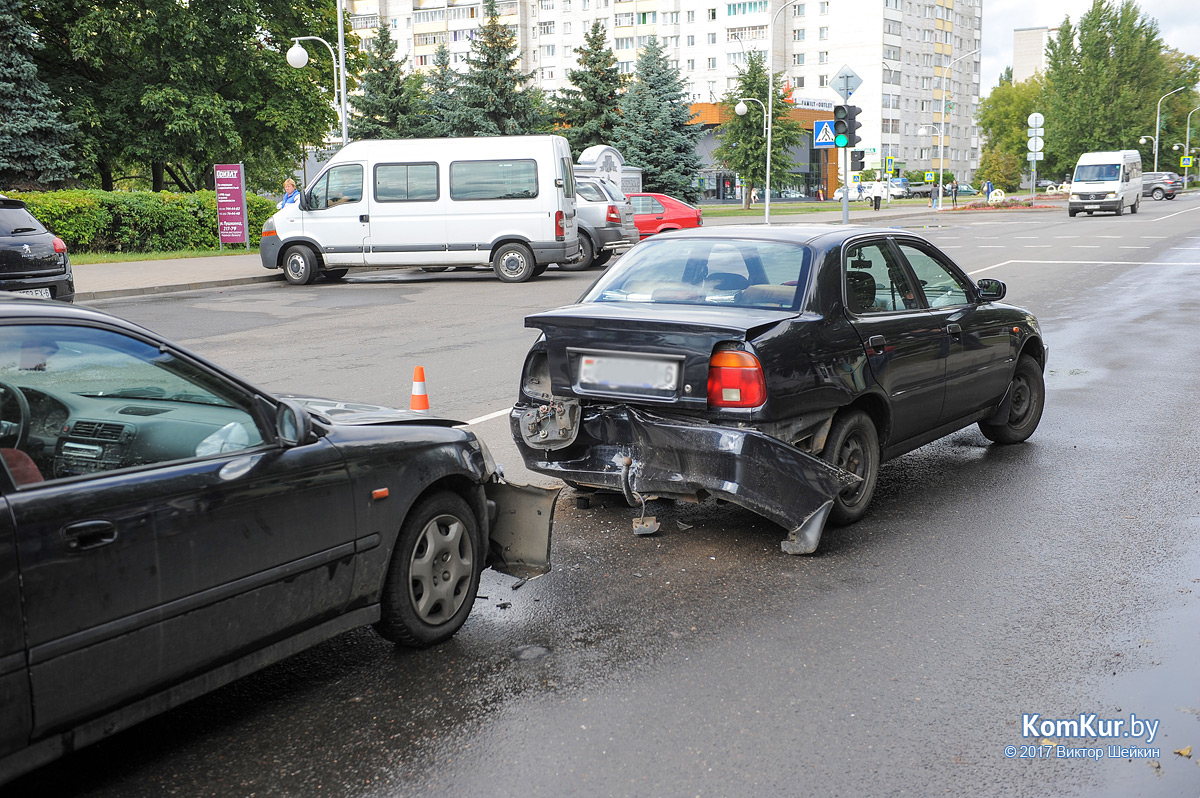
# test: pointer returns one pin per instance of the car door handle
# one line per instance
(953, 329)
(364, 217)
(876, 344)
(89, 535)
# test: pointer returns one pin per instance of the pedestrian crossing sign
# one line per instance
(890, 164)
(823, 133)
(1185, 160)
(930, 177)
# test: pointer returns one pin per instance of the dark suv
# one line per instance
(33, 260)
(1161, 184)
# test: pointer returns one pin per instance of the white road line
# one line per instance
(488, 417)
(1185, 249)
(1169, 215)
(1153, 238)
(1079, 263)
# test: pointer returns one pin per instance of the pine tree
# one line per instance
(444, 113)
(34, 137)
(654, 132)
(494, 89)
(390, 99)
(743, 142)
(588, 113)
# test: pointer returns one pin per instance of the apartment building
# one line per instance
(918, 59)
(1029, 51)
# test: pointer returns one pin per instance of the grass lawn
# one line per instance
(78, 258)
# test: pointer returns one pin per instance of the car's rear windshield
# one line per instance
(1097, 171)
(613, 191)
(590, 191)
(708, 271)
(16, 221)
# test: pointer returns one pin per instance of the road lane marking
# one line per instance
(1169, 215)
(488, 417)
(1080, 263)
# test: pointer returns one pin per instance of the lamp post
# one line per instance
(1158, 122)
(1187, 143)
(920, 132)
(1143, 139)
(771, 98)
(297, 57)
(946, 92)
(742, 108)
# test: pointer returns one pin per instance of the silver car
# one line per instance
(605, 222)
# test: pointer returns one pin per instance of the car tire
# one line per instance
(1158, 194)
(1120, 207)
(1025, 410)
(433, 576)
(300, 265)
(1136, 206)
(602, 258)
(1172, 196)
(333, 275)
(1072, 213)
(587, 251)
(513, 263)
(853, 444)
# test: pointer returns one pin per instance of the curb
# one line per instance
(87, 296)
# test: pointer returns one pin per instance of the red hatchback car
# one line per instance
(654, 213)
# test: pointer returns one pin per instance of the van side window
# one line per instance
(406, 182)
(568, 171)
(339, 186)
(492, 180)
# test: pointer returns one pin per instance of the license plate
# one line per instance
(636, 375)
(44, 293)
(1091, 207)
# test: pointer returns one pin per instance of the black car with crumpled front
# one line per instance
(33, 261)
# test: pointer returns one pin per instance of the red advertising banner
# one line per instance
(232, 225)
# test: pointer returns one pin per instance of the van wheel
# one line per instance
(300, 265)
(1135, 206)
(1120, 207)
(333, 275)
(513, 263)
(1158, 193)
(1072, 213)
(588, 252)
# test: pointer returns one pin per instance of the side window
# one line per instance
(76, 401)
(941, 286)
(589, 191)
(640, 204)
(339, 186)
(406, 182)
(656, 206)
(493, 180)
(875, 282)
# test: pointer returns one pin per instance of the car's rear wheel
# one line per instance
(587, 251)
(513, 263)
(602, 258)
(300, 265)
(1025, 410)
(333, 275)
(433, 576)
(853, 445)
(1158, 193)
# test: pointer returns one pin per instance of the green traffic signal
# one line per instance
(840, 140)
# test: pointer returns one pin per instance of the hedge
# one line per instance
(137, 221)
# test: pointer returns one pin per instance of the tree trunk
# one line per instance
(157, 170)
(106, 178)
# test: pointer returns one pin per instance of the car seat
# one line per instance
(860, 291)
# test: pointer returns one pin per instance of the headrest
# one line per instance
(860, 291)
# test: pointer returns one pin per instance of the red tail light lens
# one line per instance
(560, 226)
(60, 246)
(735, 379)
(612, 214)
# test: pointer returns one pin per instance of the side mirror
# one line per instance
(293, 425)
(303, 201)
(991, 290)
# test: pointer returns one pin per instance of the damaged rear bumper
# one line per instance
(624, 449)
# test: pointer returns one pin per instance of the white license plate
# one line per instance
(1091, 207)
(641, 375)
(44, 293)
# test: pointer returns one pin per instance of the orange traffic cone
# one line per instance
(420, 401)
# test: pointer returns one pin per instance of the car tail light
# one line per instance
(735, 379)
(60, 246)
(560, 226)
(612, 215)
(699, 217)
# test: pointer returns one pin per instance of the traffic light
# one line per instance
(846, 125)
(858, 160)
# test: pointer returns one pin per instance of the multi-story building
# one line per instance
(918, 59)
(1029, 51)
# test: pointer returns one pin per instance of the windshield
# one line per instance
(708, 271)
(1093, 172)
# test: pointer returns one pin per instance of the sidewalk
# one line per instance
(111, 280)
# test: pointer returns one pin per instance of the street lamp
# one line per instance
(771, 98)
(947, 91)
(1158, 121)
(1187, 146)
(935, 129)
(297, 57)
(740, 109)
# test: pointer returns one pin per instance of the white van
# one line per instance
(507, 201)
(1106, 181)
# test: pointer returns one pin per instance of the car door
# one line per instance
(338, 214)
(648, 214)
(15, 710)
(905, 346)
(160, 528)
(980, 349)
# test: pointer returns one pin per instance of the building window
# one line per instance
(546, 5)
(423, 60)
(623, 43)
(891, 53)
(647, 18)
(798, 10)
(566, 27)
(623, 20)
(797, 59)
(691, 41)
(691, 17)
(643, 41)
(691, 64)
(712, 38)
(625, 67)
(822, 81)
(755, 33)
(753, 7)
(798, 35)
(437, 15)
(823, 7)
(545, 28)
(712, 13)
(823, 57)
(547, 49)
(798, 82)
(712, 63)
(822, 33)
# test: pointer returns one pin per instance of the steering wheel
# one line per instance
(18, 438)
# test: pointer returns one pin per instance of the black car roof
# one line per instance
(15, 307)
(826, 235)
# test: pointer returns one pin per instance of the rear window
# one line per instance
(709, 272)
(591, 192)
(18, 221)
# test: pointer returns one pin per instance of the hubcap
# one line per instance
(853, 458)
(441, 569)
(513, 262)
(295, 265)
(1022, 402)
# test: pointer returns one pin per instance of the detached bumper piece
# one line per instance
(651, 455)
(520, 527)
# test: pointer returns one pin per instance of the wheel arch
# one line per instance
(1035, 349)
(512, 238)
(877, 410)
(284, 246)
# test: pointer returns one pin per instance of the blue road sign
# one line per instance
(823, 133)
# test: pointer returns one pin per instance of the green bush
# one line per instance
(137, 221)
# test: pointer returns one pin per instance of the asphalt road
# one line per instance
(1058, 577)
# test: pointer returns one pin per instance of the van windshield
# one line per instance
(1093, 172)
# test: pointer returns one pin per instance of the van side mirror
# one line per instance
(303, 201)
(991, 290)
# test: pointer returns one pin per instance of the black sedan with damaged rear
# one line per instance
(774, 368)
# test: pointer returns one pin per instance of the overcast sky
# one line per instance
(1178, 24)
